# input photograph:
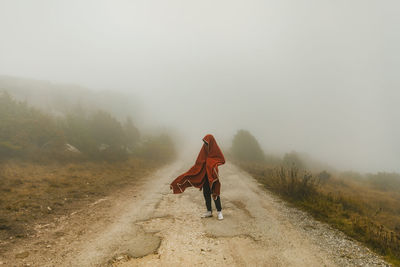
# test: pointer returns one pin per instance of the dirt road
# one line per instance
(146, 225)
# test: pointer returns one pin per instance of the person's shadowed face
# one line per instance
(205, 146)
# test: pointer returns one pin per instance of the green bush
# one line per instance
(26, 132)
(245, 147)
(100, 136)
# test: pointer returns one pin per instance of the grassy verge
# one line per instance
(32, 192)
(365, 213)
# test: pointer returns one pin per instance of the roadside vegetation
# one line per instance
(365, 207)
(51, 165)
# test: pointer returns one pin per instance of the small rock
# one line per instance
(120, 258)
(48, 208)
(48, 246)
(22, 255)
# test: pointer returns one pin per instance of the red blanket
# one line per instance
(209, 158)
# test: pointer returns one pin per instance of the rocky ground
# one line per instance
(146, 225)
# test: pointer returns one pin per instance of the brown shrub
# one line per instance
(365, 213)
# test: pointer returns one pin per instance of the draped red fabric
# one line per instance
(208, 160)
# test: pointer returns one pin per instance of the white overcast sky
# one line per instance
(315, 76)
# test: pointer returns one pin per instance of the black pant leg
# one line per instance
(207, 194)
(218, 203)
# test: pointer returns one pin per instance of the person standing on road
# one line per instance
(204, 175)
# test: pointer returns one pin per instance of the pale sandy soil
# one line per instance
(146, 225)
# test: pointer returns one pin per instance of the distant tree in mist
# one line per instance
(98, 135)
(324, 176)
(27, 132)
(77, 131)
(159, 148)
(107, 130)
(293, 159)
(132, 134)
(245, 147)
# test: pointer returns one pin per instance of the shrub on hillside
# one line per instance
(159, 148)
(324, 176)
(245, 147)
(100, 136)
(368, 216)
(28, 133)
(294, 184)
(132, 134)
(385, 181)
(288, 182)
(293, 159)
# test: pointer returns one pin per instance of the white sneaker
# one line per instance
(220, 217)
(207, 214)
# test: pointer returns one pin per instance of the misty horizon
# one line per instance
(318, 78)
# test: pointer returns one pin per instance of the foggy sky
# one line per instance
(315, 76)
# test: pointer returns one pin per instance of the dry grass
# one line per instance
(31, 192)
(357, 208)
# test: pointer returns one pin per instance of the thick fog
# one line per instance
(314, 76)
